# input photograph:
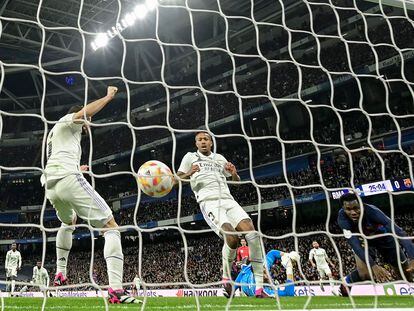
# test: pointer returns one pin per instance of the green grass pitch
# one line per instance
(213, 303)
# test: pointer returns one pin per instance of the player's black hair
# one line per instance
(202, 132)
(75, 108)
(347, 197)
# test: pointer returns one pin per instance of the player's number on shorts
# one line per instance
(211, 216)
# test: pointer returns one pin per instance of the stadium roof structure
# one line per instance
(27, 26)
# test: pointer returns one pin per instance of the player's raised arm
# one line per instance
(94, 107)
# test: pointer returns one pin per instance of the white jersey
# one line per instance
(13, 260)
(320, 257)
(137, 283)
(63, 149)
(40, 276)
(210, 182)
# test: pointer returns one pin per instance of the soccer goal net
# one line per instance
(310, 100)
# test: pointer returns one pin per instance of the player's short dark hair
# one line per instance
(347, 197)
(202, 132)
(75, 108)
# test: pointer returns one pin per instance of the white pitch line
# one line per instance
(207, 306)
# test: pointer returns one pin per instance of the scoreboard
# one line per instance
(390, 185)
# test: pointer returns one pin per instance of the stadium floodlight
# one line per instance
(100, 41)
(151, 4)
(129, 19)
(140, 11)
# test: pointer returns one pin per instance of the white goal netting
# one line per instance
(309, 99)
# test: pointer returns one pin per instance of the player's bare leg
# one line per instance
(115, 264)
(256, 253)
(228, 256)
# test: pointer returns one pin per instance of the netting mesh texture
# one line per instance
(270, 79)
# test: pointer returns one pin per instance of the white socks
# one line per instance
(229, 254)
(331, 282)
(13, 284)
(63, 246)
(256, 257)
(114, 258)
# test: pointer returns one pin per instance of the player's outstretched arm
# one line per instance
(94, 107)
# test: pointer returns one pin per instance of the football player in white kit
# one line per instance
(322, 260)
(13, 264)
(207, 172)
(136, 285)
(40, 277)
(71, 195)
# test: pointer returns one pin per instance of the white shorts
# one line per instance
(11, 272)
(286, 262)
(218, 212)
(73, 195)
(323, 271)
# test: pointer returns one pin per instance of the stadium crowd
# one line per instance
(335, 170)
(162, 258)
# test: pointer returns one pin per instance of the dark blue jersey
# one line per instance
(374, 222)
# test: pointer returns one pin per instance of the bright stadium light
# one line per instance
(129, 19)
(151, 4)
(100, 41)
(140, 11)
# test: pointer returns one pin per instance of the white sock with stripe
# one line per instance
(229, 254)
(114, 258)
(256, 257)
(63, 246)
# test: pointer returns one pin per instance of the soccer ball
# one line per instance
(155, 179)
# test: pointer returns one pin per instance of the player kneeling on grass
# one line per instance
(373, 222)
(246, 283)
(71, 195)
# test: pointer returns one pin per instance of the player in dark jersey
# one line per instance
(373, 223)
